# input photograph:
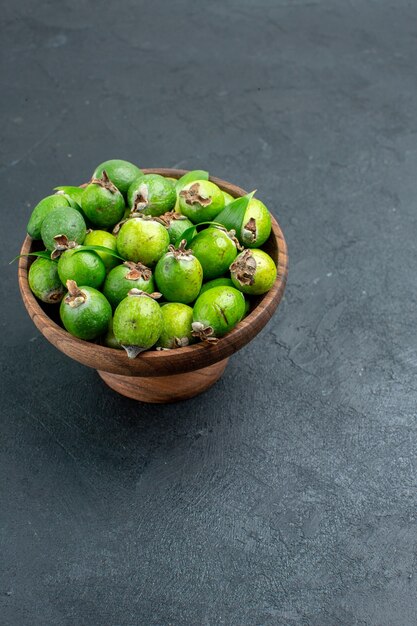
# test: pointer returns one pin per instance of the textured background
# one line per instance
(287, 493)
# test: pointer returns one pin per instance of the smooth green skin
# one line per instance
(138, 321)
(44, 281)
(223, 282)
(227, 198)
(177, 228)
(110, 340)
(217, 282)
(103, 238)
(215, 251)
(262, 216)
(41, 210)
(179, 280)
(86, 268)
(198, 213)
(102, 207)
(63, 221)
(89, 320)
(117, 286)
(161, 194)
(221, 308)
(73, 194)
(265, 275)
(177, 319)
(121, 173)
(142, 240)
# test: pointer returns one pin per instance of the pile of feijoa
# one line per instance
(138, 260)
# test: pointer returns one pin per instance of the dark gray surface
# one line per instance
(287, 493)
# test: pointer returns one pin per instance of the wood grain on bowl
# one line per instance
(162, 363)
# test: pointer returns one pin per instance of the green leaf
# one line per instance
(99, 249)
(233, 214)
(188, 235)
(191, 232)
(190, 177)
(42, 253)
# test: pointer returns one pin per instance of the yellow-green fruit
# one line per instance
(85, 312)
(109, 339)
(121, 173)
(44, 281)
(227, 197)
(63, 221)
(256, 226)
(107, 240)
(41, 210)
(103, 204)
(253, 272)
(217, 311)
(85, 267)
(142, 240)
(137, 323)
(177, 320)
(201, 201)
(152, 195)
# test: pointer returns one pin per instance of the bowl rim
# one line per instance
(155, 362)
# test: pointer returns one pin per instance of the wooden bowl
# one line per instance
(162, 376)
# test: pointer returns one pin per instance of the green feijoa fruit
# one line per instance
(85, 267)
(216, 282)
(227, 197)
(176, 224)
(109, 339)
(179, 275)
(253, 272)
(63, 222)
(201, 201)
(102, 202)
(152, 195)
(216, 249)
(137, 322)
(256, 226)
(107, 240)
(177, 331)
(44, 281)
(121, 279)
(217, 311)
(142, 240)
(121, 173)
(85, 312)
(71, 193)
(41, 210)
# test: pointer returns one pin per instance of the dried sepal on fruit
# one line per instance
(179, 275)
(244, 268)
(121, 279)
(75, 296)
(85, 312)
(104, 181)
(204, 333)
(62, 244)
(201, 201)
(253, 272)
(192, 195)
